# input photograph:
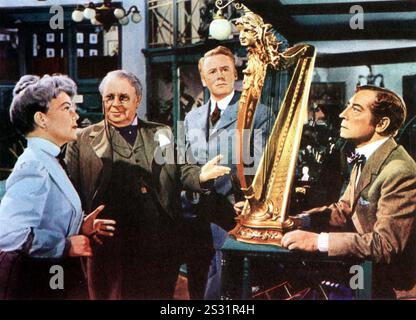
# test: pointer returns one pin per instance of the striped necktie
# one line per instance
(216, 115)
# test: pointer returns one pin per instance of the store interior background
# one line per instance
(164, 48)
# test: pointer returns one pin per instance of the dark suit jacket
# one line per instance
(376, 220)
(89, 163)
(89, 166)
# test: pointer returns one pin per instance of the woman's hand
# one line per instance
(211, 170)
(93, 227)
(80, 246)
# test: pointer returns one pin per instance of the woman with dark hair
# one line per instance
(40, 214)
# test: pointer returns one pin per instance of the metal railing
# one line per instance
(174, 22)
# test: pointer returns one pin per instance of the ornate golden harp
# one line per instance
(264, 218)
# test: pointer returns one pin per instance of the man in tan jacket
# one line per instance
(375, 218)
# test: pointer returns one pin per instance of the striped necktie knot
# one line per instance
(216, 115)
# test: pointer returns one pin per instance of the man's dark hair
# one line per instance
(388, 104)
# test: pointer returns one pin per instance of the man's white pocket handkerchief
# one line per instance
(163, 140)
(363, 202)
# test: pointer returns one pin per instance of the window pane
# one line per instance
(47, 53)
(97, 51)
(9, 66)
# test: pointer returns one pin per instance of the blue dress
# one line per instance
(40, 210)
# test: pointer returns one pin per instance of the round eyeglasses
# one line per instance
(122, 98)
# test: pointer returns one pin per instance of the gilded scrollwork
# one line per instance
(219, 4)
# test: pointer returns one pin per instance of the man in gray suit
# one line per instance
(211, 130)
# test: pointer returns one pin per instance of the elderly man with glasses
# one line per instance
(123, 162)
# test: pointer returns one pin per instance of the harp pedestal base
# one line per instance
(261, 233)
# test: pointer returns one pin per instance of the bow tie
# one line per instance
(127, 128)
(129, 133)
(356, 158)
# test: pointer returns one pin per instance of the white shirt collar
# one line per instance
(43, 145)
(223, 103)
(370, 148)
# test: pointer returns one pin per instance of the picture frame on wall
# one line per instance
(50, 37)
(80, 53)
(50, 52)
(112, 48)
(80, 37)
(93, 38)
(93, 52)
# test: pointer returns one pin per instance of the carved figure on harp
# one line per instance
(264, 216)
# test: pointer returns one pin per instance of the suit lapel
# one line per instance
(197, 133)
(103, 162)
(62, 181)
(353, 182)
(201, 119)
(372, 166)
(229, 116)
(149, 142)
